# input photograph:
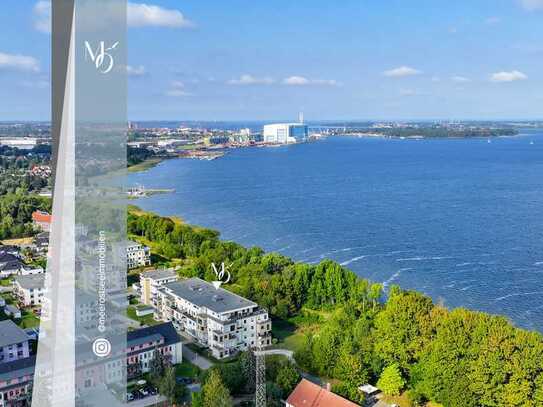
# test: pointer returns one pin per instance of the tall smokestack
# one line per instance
(301, 117)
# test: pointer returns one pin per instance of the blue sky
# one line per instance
(263, 60)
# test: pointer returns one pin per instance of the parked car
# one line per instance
(184, 380)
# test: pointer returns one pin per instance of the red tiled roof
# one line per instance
(307, 394)
(39, 216)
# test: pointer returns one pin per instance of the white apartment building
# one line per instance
(285, 133)
(218, 319)
(29, 290)
(151, 281)
(137, 254)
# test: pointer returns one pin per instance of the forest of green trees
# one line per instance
(16, 213)
(18, 198)
(403, 342)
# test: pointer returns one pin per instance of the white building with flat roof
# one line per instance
(285, 133)
(137, 255)
(150, 281)
(218, 319)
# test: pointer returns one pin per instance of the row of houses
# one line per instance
(224, 322)
(17, 362)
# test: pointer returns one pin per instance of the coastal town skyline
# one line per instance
(351, 62)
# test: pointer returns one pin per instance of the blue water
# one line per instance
(457, 219)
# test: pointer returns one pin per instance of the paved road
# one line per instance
(196, 359)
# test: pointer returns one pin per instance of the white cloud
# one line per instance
(401, 72)
(303, 81)
(296, 81)
(143, 15)
(532, 5)
(250, 80)
(435, 79)
(19, 63)
(177, 89)
(42, 16)
(493, 20)
(136, 71)
(410, 92)
(508, 76)
(138, 15)
(460, 79)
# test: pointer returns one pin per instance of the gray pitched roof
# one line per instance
(32, 281)
(6, 257)
(204, 294)
(11, 333)
(17, 368)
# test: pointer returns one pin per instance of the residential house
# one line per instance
(13, 342)
(42, 220)
(141, 347)
(9, 265)
(308, 394)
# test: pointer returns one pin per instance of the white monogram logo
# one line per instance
(220, 274)
(102, 58)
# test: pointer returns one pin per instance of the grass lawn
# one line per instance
(5, 282)
(146, 320)
(18, 242)
(294, 342)
(187, 369)
(290, 333)
(282, 329)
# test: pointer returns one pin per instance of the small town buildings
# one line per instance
(142, 345)
(150, 281)
(29, 290)
(13, 342)
(307, 394)
(42, 221)
(216, 318)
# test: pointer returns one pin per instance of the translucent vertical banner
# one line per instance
(81, 356)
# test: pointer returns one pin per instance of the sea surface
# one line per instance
(458, 219)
